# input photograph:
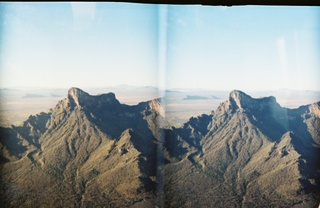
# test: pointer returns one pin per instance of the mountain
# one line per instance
(195, 97)
(93, 151)
(33, 96)
(252, 153)
(90, 150)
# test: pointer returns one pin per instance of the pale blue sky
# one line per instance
(87, 45)
(105, 44)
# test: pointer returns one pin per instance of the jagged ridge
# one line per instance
(86, 139)
(254, 153)
(93, 151)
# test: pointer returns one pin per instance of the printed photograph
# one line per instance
(114, 104)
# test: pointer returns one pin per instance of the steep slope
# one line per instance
(88, 149)
(254, 153)
(93, 151)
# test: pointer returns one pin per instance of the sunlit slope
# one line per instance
(92, 151)
(253, 153)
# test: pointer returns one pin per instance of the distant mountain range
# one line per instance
(195, 97)
(93, 151)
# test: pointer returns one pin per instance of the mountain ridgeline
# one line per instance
(93, 151)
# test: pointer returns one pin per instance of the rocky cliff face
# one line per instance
(95, 151)
(251, 153)
(88, 149)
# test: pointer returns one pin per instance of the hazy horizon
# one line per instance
(97, 45)
(30, 88)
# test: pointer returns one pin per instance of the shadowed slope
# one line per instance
(95, 151)
(255, 154)
(90, 149)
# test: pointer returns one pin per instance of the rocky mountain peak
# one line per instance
(155, 104)
(237, 94)
(77, 95)
(74, 91)
(81, 98)
(315, 109)
(241, 100)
